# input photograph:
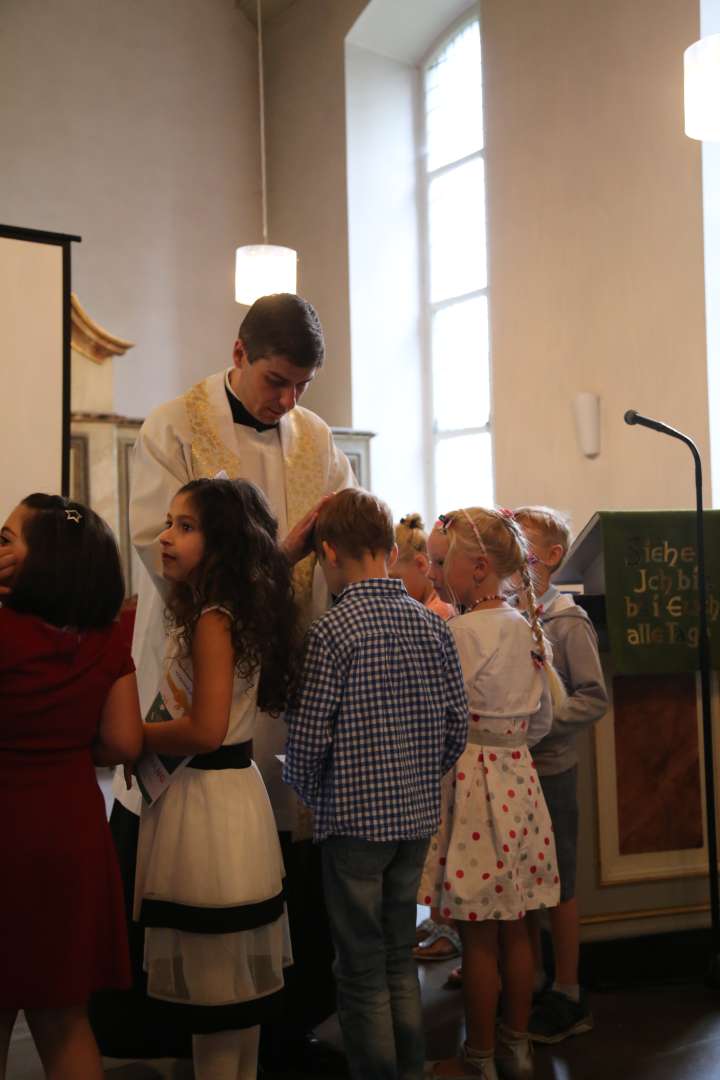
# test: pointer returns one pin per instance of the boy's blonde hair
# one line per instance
(410, 537)
(496, 534)
(554, 526)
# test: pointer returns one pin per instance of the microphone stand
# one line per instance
(633, 417)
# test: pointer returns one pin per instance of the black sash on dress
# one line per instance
(225, 757)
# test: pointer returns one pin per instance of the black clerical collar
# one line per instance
(241, 415)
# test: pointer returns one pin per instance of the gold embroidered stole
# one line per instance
(303, 457)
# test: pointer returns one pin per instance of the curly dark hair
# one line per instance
(244, 571)
(72, 574)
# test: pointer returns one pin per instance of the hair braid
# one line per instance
(558, 693)
(534, 613)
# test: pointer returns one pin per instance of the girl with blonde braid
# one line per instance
(494, 857)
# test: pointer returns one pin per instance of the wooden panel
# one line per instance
(657, 763)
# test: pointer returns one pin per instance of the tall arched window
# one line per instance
(457, 293)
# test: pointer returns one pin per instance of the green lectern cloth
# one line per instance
(651, 589)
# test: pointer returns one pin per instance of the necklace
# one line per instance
(485, 599)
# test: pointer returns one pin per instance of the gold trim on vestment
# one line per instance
(305, 475)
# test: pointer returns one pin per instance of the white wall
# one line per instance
(385, 316)
(595, 235)
(710, 24)
(135, 126)
(307, 174)
(31, 348)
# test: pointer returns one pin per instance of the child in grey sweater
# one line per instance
(561, 1010)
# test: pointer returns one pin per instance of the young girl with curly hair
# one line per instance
(209, 873)
(493, 859)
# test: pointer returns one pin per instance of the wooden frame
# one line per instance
(615, 868)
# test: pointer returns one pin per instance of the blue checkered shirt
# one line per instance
(380, 715)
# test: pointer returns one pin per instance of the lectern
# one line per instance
(643, 858)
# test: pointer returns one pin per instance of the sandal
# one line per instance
(433, 949)
(474, 1066)
(514, 1054)
(424, 930)
(454, 980)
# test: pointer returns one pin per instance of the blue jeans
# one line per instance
(371, 895)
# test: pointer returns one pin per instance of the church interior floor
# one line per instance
(650, 1032)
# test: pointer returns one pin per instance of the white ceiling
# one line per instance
(406, 30)
(403, 30)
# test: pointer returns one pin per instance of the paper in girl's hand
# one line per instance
(155, 772)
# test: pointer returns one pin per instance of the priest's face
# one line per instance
(182, 543)
(271, 386)
(13, 548)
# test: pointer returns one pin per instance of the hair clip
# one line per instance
(537, 659)
(443, 522)
(73, 515)
(506, 513)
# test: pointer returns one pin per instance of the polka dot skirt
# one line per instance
(494, 854)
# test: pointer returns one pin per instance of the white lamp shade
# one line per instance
(586, 407)
(702, 89)
(262, 269)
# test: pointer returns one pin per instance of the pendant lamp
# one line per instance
(261, 269)
(702, 89)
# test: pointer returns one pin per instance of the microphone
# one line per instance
(634, 417)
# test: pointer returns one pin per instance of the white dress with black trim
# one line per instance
(209, 885)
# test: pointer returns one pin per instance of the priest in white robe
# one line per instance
(221, 424)
(244, 421)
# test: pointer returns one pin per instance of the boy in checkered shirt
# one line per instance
(379, 716)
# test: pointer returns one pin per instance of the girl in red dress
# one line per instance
(68, 702)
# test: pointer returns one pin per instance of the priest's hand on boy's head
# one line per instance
(300, 541)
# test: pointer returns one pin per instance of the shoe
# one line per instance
(480, 1065)
(556, 1017)
(424, 930)
(513, 1054)
(477, 1067)
(433, 949)
(306, 1054)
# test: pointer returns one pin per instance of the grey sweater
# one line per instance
(577, 661)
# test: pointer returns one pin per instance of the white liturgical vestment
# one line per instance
(294, 464)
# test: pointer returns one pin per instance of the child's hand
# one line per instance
(8, 562)
(299, 541)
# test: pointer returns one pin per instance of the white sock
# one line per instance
(226, 1055)
(569, 990)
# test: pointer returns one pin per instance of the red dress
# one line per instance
(62, 920)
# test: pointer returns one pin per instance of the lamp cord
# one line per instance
(261, 89)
